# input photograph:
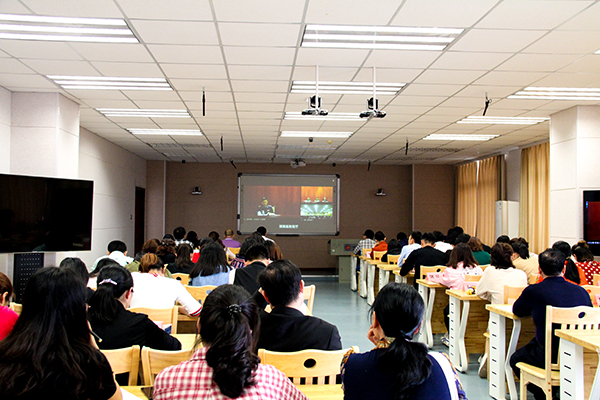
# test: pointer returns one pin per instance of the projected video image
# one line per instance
(316, 202)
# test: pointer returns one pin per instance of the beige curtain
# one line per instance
(488, 192)
(534, 196)
(466, 198)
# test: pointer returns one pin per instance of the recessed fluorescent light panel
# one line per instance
(65, 29)
(290, 115)
(378, 37)
(557, 93)
(108, 83)
(137, 112)
(441, 136)
(502, 120)
(383, 89)
(304, 134)
(170, 132)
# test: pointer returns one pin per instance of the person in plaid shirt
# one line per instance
(227, 367)
(366, 243)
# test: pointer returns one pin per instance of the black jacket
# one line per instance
(247, 278)
(425, 256)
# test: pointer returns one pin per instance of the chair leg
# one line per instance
(522, 388)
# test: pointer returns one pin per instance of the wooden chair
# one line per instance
(483, 267)
(16, 307)
(365, 251)
(306, 364)
(596, 279)
(164, 315)
(426, 270)
(472, 278)
(378, 254)
(576, 318)
(533, 278)
(234, 250)
(512, 293)
(184, 278)
(154, 361)
(393, 259)
(592, 291)
(200, 292)
(126, 360)
(309, 297)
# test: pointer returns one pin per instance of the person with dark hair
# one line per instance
(440, 242)
(573, 273)
(117, 251)
(153, 290)
(262, 231)
(398, 368)
(503, 239)
(264, 208)
(257, 258)
(286, 328)
(367, 242)
(214, 235)
(402, 239)
(166, 251)
(240, 258)
(482, 256)
(225, 364)
(183, 260)
(586, 263)
(380, 243)
(500, 273)
(414, 243)
(522, 259)
(149, 246)
(211, 268)
(179, 235)
(105, 262)
(114, 324)
(192, 238)
(229, 241)
(80, 270)
(50, 353)
(394, 249)
(553, 291)
(426, 256)
(274, 250)
(7, 316)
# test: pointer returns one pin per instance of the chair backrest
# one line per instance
(306, 364)
(164, 315)
(365, 251)
(533, 278)
(512, 293)
(184, 278)
(574, 318)
(154, 361)
(125, 360)
(16, 307)
(596, 279)
(234, 250)
(200, 292)
(592, 291)
(483, 267)
(378, 254)
(393, 259)
(309, 297)
(472, 278)
(426, 270)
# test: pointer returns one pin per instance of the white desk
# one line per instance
(371, 267)
(363, 276)
(353, 282)
(428, 290)
(384, 272)
(572, 371)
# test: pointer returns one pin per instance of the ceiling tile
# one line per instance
(473, 61)
(197, 10)
(566, 42)
(256, 72)
(25, 81)
(264, 35)
(500, 41)
(247, 11)
(74, 8)
(25, 49)
(445, 76)
(350, 12)
(118, 52)
(435, 13)
(538, 62)
(141, 70)
(401, 59)
(194, 71)
(176, 32)
(186, 54)
(506, 78)
(259, 55)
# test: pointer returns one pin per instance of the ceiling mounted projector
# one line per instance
(315, 109)
(297, 163)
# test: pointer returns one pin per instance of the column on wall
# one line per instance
(574, 167)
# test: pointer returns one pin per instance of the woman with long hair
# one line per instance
(225, 364)
(183, 261)
(573, 273)
(211, 268)
(500, 273)
(114, 324)
(521, 257)
(398, 368)
(585, 262)
(482, 256)
(50, 353)
(7, 316)
(274, 250)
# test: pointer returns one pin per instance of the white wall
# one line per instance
(115, 172)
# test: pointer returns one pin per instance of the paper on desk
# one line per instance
(128, 396)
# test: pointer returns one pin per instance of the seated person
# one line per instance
(257, 258)
(7, 316)
(265, 208)
(414, 243)
(394, 249)
(229, 241)
(426, 256)
(572, 273)
(308, 200)
(380, 243)
(553, 291)
(500, 273)
(50, 353)
(367, 242)
(398, 367)
(211, 268)
(114, 324)
(80, 270)
(225, 364)
(482, 257)
(522, 259)
(585, 262)
(153, 290)
(117, 251)
(149, 246)
(183, 260)
(286, 328)
(105, 262)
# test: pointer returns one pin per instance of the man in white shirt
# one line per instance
(117, 250)
(414, 243)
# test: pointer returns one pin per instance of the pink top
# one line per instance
(7, 320)
(454, 278)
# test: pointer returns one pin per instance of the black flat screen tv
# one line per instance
(45, 214)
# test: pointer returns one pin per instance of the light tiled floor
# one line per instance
(337, 304)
